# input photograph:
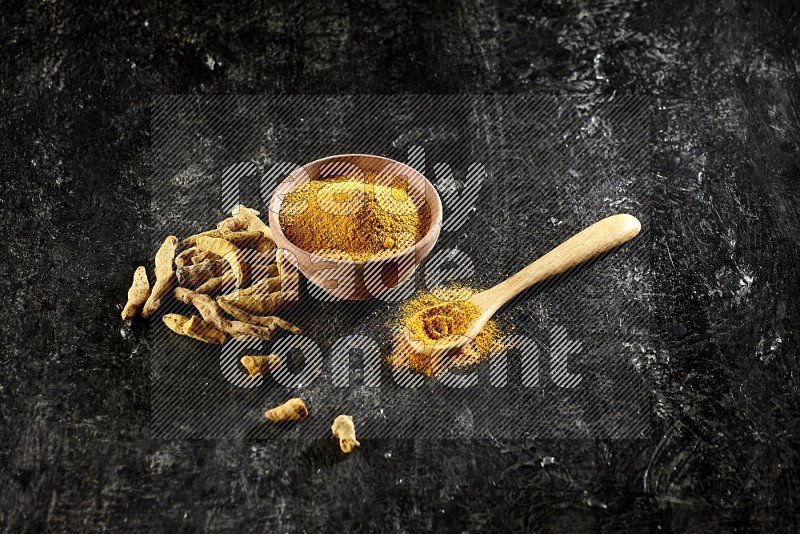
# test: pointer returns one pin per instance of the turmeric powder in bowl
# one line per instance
(434, 316)
(357, 218)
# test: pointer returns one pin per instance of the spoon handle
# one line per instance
(598, 238)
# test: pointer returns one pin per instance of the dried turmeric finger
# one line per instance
(192, 256)
(225, 281)
(286, 270)
(259, 271)
(227, 251)
(197, 274)
(175, 322)
(137, 294)
(246, 239)
(344, 429)
(193, 327)
(214, 276)
(262, 287)
(199, 329)
(264, 245)
(201, 255)
(279, 262)
(244, 218)
(263, 297)
(291, 410)
(268, 321)
(232, 223)
(212, 313)
(257, 365)
(164, 275)
(263, 305)
(250, 218)
(218, 233)
(185, 258)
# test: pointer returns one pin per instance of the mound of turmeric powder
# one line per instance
(359, 218)
(431, 316)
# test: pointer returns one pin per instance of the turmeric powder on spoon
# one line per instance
(437, 315)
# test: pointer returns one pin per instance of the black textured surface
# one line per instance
(75, 450)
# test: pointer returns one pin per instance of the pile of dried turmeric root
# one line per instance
(227, 258)
(234, 278)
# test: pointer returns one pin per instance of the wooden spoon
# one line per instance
(598, 238)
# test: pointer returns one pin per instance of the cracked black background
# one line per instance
(77, 82)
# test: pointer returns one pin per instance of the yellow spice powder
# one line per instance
(438, 314)
(357, 218)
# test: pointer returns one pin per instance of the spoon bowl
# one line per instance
(589, 243)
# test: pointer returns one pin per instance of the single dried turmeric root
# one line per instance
(193, 327)
(212, 313)
(265, 286)
(260, 270)
(344, 429)
(291, 410)
(262, 306)
(175, 322)
(257, 365)
(246, 239)
(217, 284)
(185, 258)
(215, 276)
(137, 294)
(263, 297)
(199, 273)
(268, 321)
(232, 224)
(200, 256)
(227, 251)
(193, 256)
(164, 275)
(249, 219)
(199, 329)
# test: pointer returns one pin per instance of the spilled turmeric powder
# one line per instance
(359, 218)
(436, 315)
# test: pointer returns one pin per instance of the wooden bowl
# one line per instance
(351, 279)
